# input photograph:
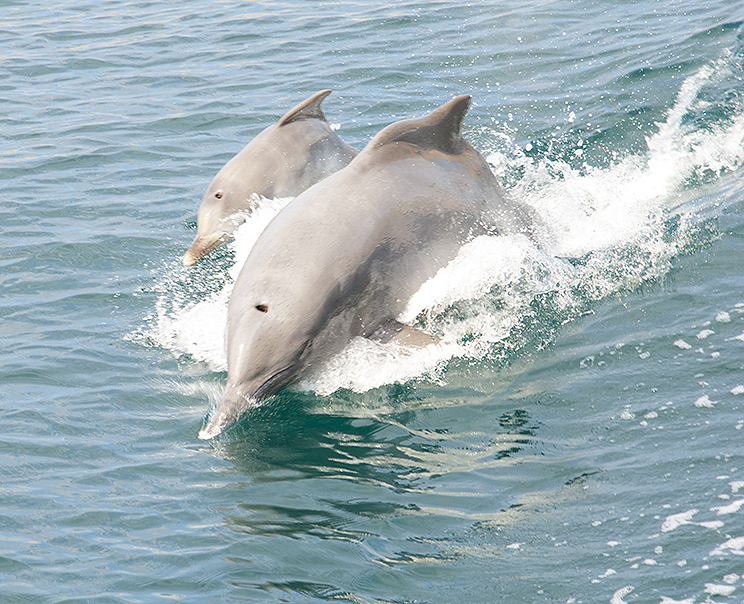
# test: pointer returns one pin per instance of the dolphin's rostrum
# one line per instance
(344, 257)
(282, 161)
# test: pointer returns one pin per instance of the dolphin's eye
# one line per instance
(218, 194)
(262, 307)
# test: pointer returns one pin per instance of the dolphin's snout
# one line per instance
(215, 425)
(201, 246)
(233, 403)
(189, 258)
(240, 397)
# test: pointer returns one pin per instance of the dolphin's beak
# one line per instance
(238, 398)
(201, 246)
(233, 403)
(215, 425)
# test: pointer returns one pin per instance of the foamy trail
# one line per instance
(594, 208)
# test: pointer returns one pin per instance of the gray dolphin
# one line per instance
(282, 161)
(344, 257)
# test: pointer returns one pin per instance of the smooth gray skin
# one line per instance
(282, 161)
(345, 256)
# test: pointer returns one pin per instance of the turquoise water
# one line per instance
(578, 439)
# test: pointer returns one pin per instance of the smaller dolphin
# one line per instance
(282, 161)
(344, 257)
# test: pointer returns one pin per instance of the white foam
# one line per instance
(704, 401)
(731, 508)
(617, 597)
(734, 546)
(197, 330)
(676, 520)
(715, 589)
(594, 208)
(365, 364)
(481, 264)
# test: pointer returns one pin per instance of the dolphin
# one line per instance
(282, 161)
(344, 257)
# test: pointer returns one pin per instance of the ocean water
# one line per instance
(577, 436)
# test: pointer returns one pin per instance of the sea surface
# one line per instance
(576, 437)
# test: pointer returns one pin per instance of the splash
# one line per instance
(591, 208)
(610, 230)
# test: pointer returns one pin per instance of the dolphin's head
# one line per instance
(219, 215)
(270, 339)
(232, 194)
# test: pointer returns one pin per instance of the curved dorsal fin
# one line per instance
(306, 110)
(438, 130)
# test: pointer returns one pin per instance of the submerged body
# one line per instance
(343, 259)
(282, 161)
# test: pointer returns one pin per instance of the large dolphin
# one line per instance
(344, 257)
(282, 161)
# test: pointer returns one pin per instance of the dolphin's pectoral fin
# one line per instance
(399, 333)
(410, 336)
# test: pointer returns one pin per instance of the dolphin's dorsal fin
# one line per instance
(438, 130)
(309, 109)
